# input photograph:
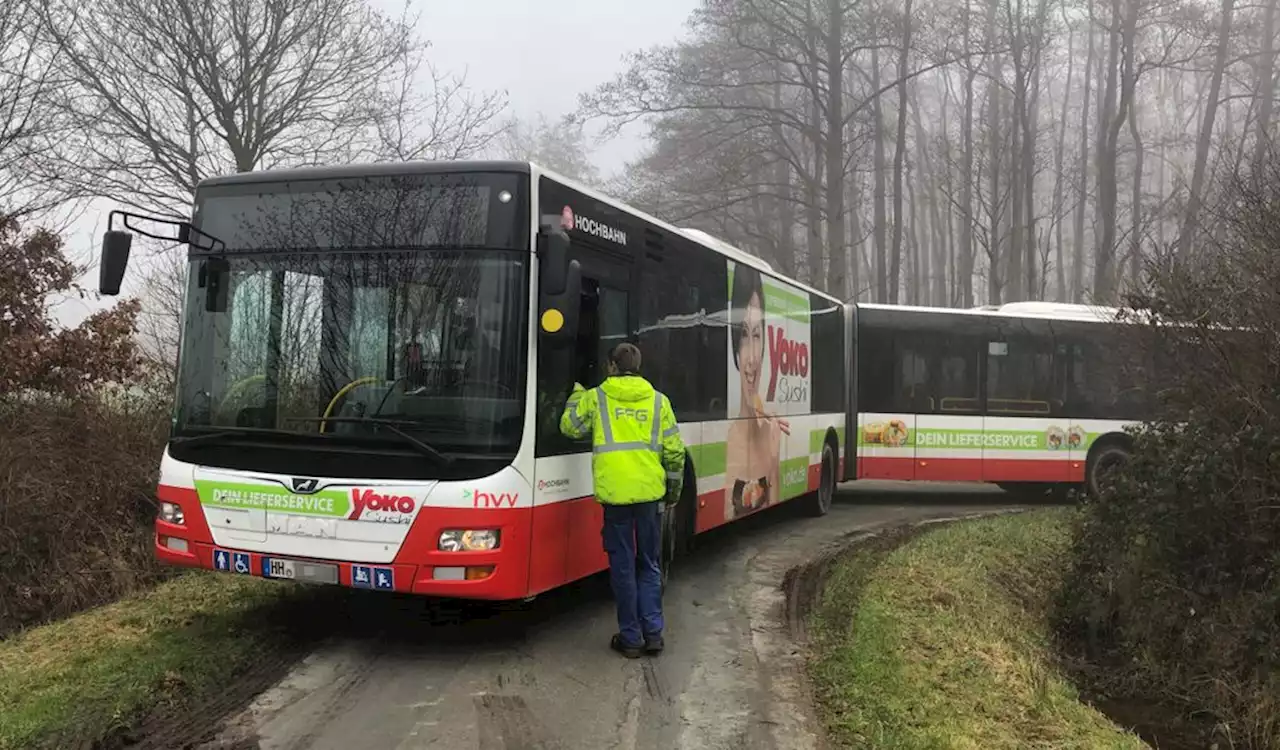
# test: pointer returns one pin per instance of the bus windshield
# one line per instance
(376, 317)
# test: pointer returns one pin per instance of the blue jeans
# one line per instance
(628, 530)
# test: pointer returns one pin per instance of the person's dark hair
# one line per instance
(627, 357)
(746, 282)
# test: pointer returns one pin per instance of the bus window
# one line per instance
(612, 329)
(956, 387)
(1020, 378)
(875, 363)
(602, 324)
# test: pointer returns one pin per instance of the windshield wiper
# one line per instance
(391, 424)
(220, 435)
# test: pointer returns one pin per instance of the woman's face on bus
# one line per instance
(751, 346)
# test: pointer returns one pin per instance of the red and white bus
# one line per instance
(374, 360)
(1027, 395)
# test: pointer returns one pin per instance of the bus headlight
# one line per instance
(468, 540)
(172, 513)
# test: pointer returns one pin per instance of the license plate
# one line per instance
(297, 570)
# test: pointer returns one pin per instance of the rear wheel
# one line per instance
(1102, 463)
(819, 503)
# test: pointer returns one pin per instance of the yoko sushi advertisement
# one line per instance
(768, 380)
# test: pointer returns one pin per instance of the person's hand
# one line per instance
(674, 486)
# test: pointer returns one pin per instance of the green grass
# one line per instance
(944, 642)
(77, 681)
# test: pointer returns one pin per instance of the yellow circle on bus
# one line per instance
(552, 320)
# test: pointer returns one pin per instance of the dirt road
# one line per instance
(412, 674)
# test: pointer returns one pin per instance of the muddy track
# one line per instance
(803, 584)
(360, 669)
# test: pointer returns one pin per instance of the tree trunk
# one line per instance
(1194, 198)
(899, 154)
(1060, 270)
(1135, 226)
(813, 189)
(878, 191)
(1077, 236)
(1265, 91)
(994, 292)
(1031, 132)
(835, 147)
(964, 266)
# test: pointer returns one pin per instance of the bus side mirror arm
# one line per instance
(116, 245)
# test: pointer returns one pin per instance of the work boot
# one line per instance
(653, 644)
(631, 652)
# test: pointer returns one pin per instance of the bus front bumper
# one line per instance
(488, 576)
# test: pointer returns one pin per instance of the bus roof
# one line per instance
(475, 165)
(1037, 310)
(697, 235)
(365, 169)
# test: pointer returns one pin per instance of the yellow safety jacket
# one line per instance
(636, 445)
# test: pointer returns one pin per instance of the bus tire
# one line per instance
(678, 523)
(1102, 461)
(819, 503)
(670, 532)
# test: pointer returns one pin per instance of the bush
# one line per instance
(77, 482)
(1175, 585)
(78, 450)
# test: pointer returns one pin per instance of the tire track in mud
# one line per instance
(414, 673)
(507, 723)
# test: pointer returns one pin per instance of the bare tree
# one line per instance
(29, 125)
(165, 93)
(425, 113)
(168, 92)
(560, 145)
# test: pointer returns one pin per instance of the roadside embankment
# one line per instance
(943, 638)
(90, 680)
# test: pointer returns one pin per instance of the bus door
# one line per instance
(1024, 436)
(891, 386)
(949, 427)
(604, 321)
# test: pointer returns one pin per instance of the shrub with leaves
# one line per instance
(80, 439)
(36, 354)
(1176, 582)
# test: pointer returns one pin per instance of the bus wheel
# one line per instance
(1107, 459)
(819, 503)
(670, 538)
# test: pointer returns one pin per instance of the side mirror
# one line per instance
(114, 261)
(558, 316)
(554, 256)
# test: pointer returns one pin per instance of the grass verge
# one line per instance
(945, 642)
(88, 679)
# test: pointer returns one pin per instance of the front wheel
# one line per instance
(669, 541)
(819, 503)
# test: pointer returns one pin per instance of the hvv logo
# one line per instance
(482, 499)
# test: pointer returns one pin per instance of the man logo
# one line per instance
(304, 486)
(566, 218)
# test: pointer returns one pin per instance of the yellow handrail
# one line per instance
(328, 410)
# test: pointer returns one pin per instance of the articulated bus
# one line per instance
(1031, 396)
(374, 360)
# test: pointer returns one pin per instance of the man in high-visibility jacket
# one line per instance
(637, 463)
